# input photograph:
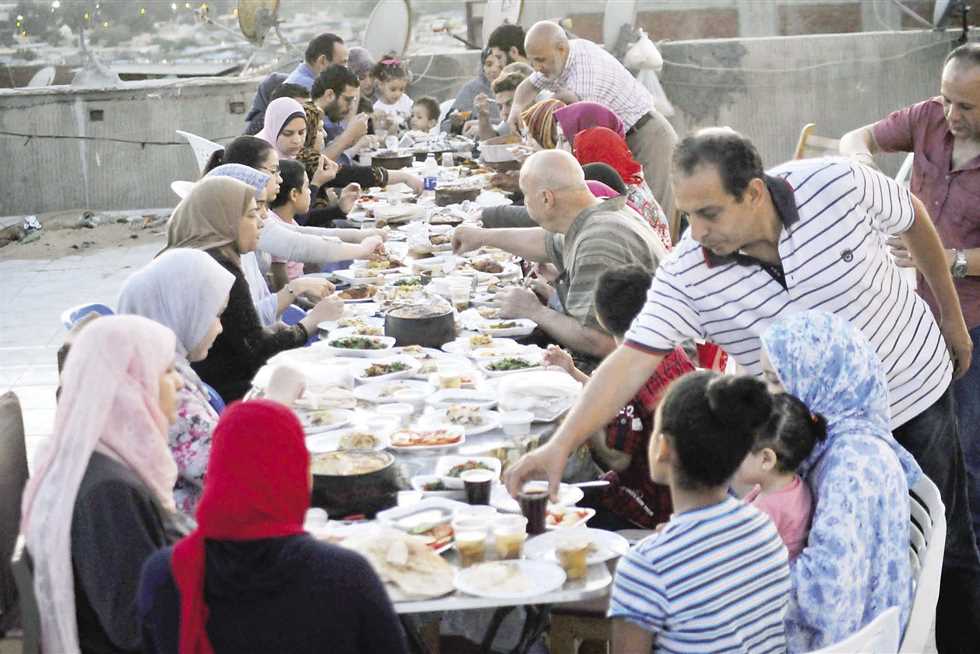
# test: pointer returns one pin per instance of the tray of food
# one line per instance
(360, 346)
(450, 467)
(358, 293)
(353, 438)
(320, 420)
(474, 419)
(499, 328)
(427, 439)
(384, 369)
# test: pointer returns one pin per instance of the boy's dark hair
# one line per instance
(336, 78)
(294, 91)
(431, 106)
(507, 83)
(506, 37)
(710, 421)
(322, 45)
(966, 53)
(619, 296)
(737, 160)
(390, 67)
(246, 150)
(791, 432)
(292, 173)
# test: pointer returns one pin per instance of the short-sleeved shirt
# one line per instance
(715, 579)
(951, 196)
(294, 269)
(596, 76)
(836, 218)
(602, 237)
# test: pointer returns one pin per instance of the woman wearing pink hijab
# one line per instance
(579, 116)
(285, 129)
(101, 500)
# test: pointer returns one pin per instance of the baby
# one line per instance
(425, 115)
(769, 469)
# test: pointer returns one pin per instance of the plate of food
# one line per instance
(360, 346)
(603, 545)
(428, 519)
(320, 420)
(381, 264)
(434, 486)
(489, 313)
(355, 438)
(565, 517)
(359, 325)
(510, 363)
(409, 567)
(547, 394)
(380, 392)
(519, 579)
(502, 328)
(424, 439)
(358, 293)
(449, 468)
(360, 276)
(447, 397)
(468, 345)
(501, 500)
(384, 369)
(391, 214)
(474, 419)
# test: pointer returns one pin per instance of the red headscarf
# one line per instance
(257, 486)
(600, 144)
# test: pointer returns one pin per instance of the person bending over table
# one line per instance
(758, 249)
(581, 236)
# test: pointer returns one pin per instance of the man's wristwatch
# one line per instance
(959, 267)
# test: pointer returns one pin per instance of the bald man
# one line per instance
(578, 233)
(581, 70)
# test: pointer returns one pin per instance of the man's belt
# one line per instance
(640, 122)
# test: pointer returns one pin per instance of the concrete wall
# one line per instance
(837, 81)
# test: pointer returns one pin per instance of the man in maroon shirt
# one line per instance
(944, 134)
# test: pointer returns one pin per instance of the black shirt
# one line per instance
(291, 594)
(116, 525)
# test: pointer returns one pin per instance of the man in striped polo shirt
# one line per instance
(808, 235)
(582, 236)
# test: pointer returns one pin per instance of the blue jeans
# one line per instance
(966, 392)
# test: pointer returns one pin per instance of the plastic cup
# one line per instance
(534, 506)
(399, 411)
(509, 534)
(516, 423)
(470, 535)
(573, 552)
(459, 293)
(477, 484)
(412, 398)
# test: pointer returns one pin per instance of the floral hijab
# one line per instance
(829, 364)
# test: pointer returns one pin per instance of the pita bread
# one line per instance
(405, 562)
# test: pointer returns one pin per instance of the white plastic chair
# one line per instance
(880, 636)
(181, 187)
(202, 148)
(905, 170)
(444, 108)
(927, 540)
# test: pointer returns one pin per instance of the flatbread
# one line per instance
(406, 562)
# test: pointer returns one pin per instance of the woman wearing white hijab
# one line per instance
(192, 309)
(108, 475)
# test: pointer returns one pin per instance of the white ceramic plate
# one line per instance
(363, 300)
(359, 369)
(383, 392)
(521, 327)
(330, 441)
(363, 310)
(315, 422)
(387, 341)
(479, 580)
(458, 432)
(447, 396)
(437, 418)
(463, 346)
(485, 364)
(331, 326)
(606, 545)
(359, 275)
(582, 516)
(419, 481)
(503, 502)
(446, 463)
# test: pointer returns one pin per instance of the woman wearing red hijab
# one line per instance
(603, 145)
(249, 579)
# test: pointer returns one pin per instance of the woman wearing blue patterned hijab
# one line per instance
(856, 563)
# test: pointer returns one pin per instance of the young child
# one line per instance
(391, 77)
(294, 199)
(425, 115)
(715, 577)
(770, 469)
(632, 498)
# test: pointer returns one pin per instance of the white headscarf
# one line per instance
(110, 402)
(182, 289)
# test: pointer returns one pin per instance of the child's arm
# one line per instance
(555, 356)
(628, 638)
(279, 276)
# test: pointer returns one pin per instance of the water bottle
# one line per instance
(430, 173)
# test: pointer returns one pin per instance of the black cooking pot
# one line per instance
(422, 155)
(392, 161)
(430, 331)
(368, 493)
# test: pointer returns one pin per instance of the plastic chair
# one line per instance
(13, 478)
(71, 316)
(292, 315)
(880, 636)
(927, 541)
(215, 400)
(30, 618)
(812, 145)
(905, 171)
(181, 188)
(203, 148)
(444, 108)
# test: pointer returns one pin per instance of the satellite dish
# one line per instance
(499, 12)
(43, 77)
(256, 18)
(617, 14)
(944, 11)
(389, 28)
